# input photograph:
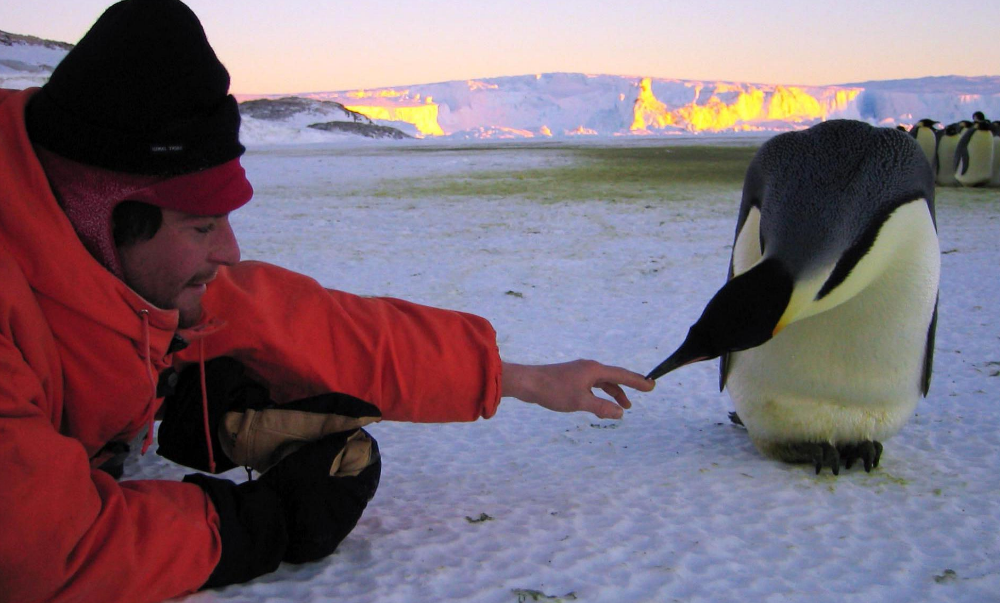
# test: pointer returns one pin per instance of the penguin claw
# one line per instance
(869, 452)
(819, 454)
(827, 455)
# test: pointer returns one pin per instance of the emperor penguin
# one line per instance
(926, 132)
(974, 155)
(947, 144)
(825, 327)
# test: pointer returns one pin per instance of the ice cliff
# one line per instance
(576, 104)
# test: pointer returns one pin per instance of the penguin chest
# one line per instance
(928, 144)
(847, 374)
(946, 160)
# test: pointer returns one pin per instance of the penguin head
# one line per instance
(810, 233)
(983, 125)
(742, 315)
(957, 128)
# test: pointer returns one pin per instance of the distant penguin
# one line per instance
(926, 133)
(826, 325)
(979, 116)
(947, 144)
(974, 155)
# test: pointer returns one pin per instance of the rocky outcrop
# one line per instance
(266, 119)
(288, 107)
(9, 39)
(363, 129)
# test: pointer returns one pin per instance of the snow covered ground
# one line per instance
(670, 504)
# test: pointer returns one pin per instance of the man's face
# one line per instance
(172, 269)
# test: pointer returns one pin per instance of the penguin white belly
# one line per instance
(946, 160)
(928, 144)
(849, 374)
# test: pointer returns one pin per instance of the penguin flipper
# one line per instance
(925, 377)
(962, 154)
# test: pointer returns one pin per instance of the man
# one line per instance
(124, 300)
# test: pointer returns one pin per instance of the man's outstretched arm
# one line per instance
(569, 386)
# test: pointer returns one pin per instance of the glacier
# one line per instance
(577, 104)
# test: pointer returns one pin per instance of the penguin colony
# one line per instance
(965, 153)
(825, 326)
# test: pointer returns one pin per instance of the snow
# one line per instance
(20, 56)
(672, 503)
(26, 65)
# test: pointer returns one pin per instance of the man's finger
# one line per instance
(617, 374)
(616, 392)
(603, 409)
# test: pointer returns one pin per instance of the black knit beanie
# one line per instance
(141, 93)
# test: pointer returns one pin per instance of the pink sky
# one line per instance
(314, 45)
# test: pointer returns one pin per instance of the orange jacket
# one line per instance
(79, 355)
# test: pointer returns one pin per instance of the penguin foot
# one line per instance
(823, 454)
(735, 418)
(868, 452)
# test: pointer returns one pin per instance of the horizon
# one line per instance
(301, 47)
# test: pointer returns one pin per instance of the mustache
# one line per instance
(203, 278)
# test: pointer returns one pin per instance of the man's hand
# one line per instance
(569, 387)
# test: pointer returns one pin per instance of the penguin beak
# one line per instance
(745, 313)
(782, 323)
(681, 357)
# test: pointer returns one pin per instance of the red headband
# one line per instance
(212, 192)
(89, 194)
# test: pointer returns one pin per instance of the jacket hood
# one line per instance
(35, 231)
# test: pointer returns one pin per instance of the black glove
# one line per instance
(298, 511)
(246, 427)
(252, 527)
(324, 488)
(181, 437)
